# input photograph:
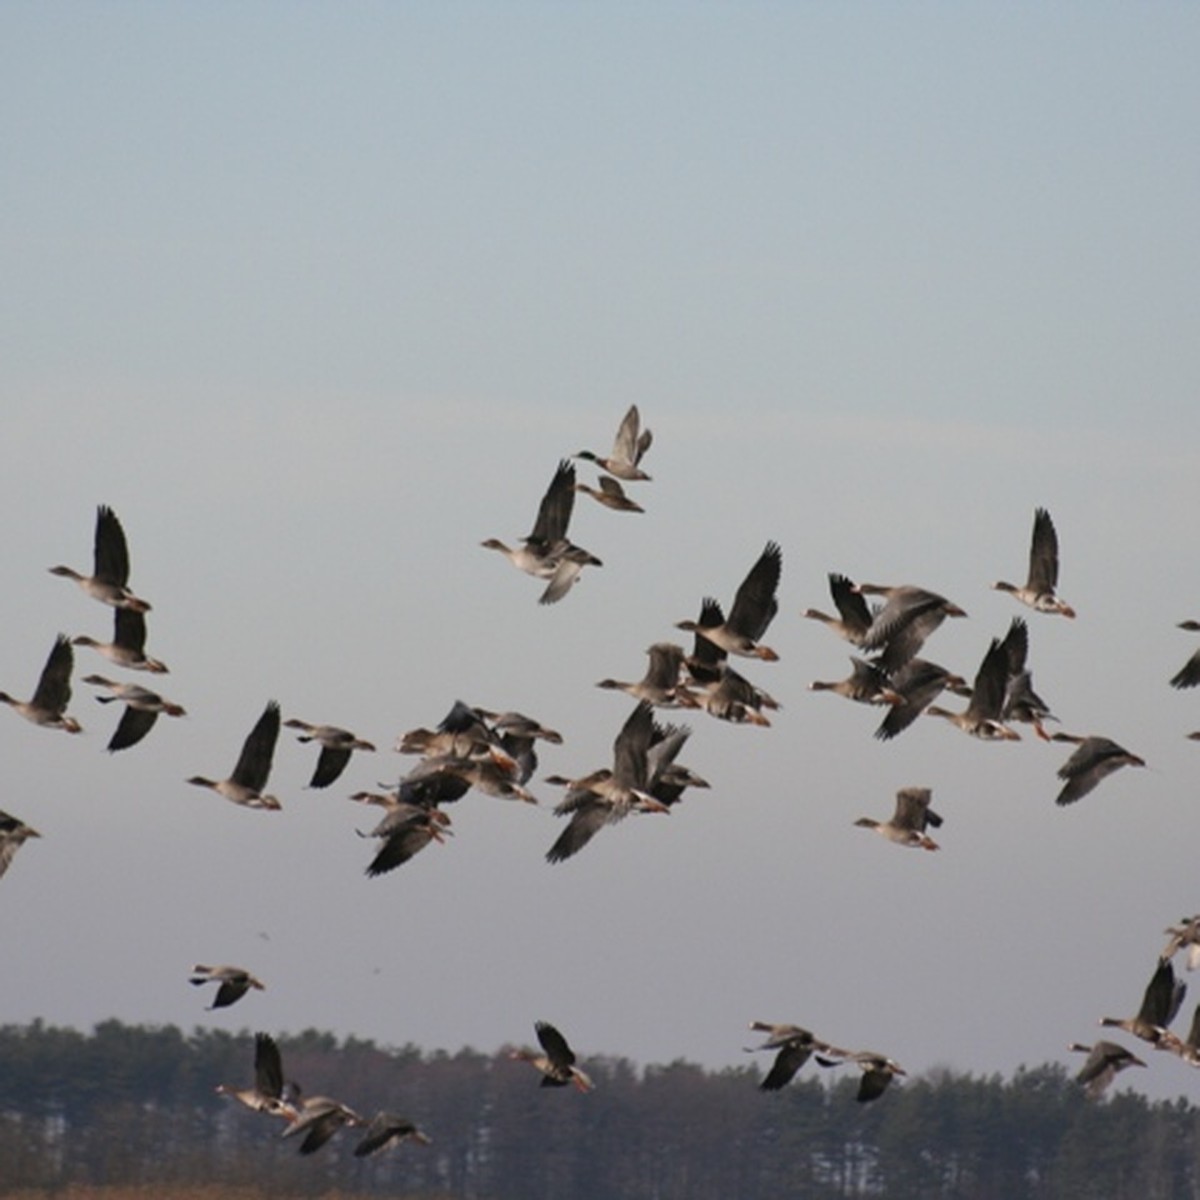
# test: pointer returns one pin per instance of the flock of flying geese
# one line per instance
(495, 753)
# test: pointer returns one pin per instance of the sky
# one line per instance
(316, 299)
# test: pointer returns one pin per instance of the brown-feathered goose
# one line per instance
(982, 716)
(854, 613)
(866, 684)
(128, 647)
(232, 983)
(877, 1069)
(793, 1045)
(611, 494)
(14, 834)
(142, 707)
(901, 627)
(907, 825)
(1038, 590)
(660, 685)
(557, 1062)
(918, 683)
(388, 1129)
(714, 685)
(1104, 1060)
(1160, 1004)
(1094, 759)
(336, 747)
(754, 607)
(109, 579)
(266, 1094)
(245, 785)
(630, 445)
(48, 706)
(318, 1118)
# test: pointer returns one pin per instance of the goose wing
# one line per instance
(755, 604)
(254, 763)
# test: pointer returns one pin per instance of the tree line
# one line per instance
(136, 1107)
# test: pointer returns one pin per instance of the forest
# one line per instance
(130, 1112)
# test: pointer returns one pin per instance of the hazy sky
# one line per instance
(316, 297)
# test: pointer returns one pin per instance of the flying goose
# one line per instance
(547, 553)
(109, 580)
(318, 1118)
(336, 747)
(406, 829)
(13, 834)
(982, 716)
(611, 494)
(245, 785)
(854, 613)
(720, 690)
(557, 1062)
(233, 983)
(388, 1129)
(754, 607)
(907, 825)
(901, 627)
(53, 692)
(1104, 1061)
(631, 443)
(866, 684)
(128, 647)
(1094, 759)
(1038, 589)
(661, 684)
(793, 1045)
(918, 683)
(878, 1070)
(142, 707)
(1160, 1004)
(266, 1094)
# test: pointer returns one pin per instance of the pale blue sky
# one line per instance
(316, 297)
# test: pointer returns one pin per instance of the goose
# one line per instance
(908, 617)
(1189, 674)
(464, 732)
(630, 445)
(660, 685)
(854, 613)
(109, 580)
(405, 830)
(1105, 1059)
(793, 1045)
(245, 785)
(918, 683)
(754, 607)
(611, 494)
(1038, 589)
(907, 825)
(233, 983)
(547, 553)
(1185, 934)
(1160, 1004)
(1094, 759)
(14, 834)
(866, 684)
(336, 747)
(720, 690)
(266, 1094)
(981, 717)
(878, 1070)
(128, 647)
(53, 692)
(142, 707)
(557, 1062)
(318, 1118)
(388, 1129)
(607, 796)
(517, 735)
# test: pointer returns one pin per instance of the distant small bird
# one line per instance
(387, 1129)
(48, 707)
(336, 747)
(912, 816)
(754, 607)
(245, 785)
(1094, 760)
(234, 983)
(109, 580)
(1104, 1061)
(13, 835)
(1189, 674)
(1038, 589)
(557, 1063)
(630, 445)
(128, 647)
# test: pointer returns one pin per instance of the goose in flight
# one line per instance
(336, 747)
(1094, 759)
(557, 1060)
(233, 983)
(13, 835)
(793, 1045)
(918, 684)
(878, 1070)
(1038, 590)
(388, 1129)
(908, 617)
(245, 785)
(128, 647)
(1104, 1061)
(266, 1093)
(854, 613)
(866, 684)
(1160, 1004)
(142, 707)
(660, 685)
(48, 705)
(982, 716)
(109, 579)
(630, 445)
(908, 824)
(547, 553)
(754, 607)
(611, 494)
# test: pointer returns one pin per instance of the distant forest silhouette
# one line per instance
(130, 1112)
